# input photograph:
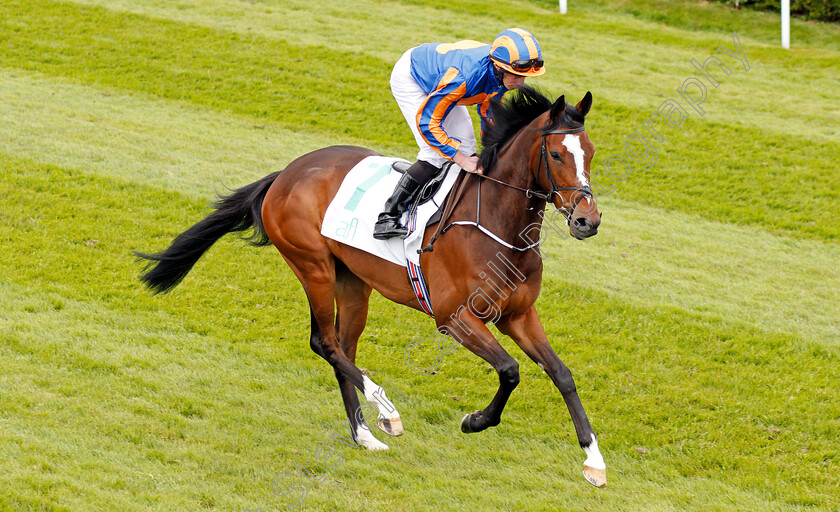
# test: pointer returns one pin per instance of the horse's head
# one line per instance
(565, 153)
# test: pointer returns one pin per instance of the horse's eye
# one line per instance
(556, 155)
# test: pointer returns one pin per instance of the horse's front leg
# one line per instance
(473, 334)
(527, 331)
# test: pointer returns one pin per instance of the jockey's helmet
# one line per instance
(517, 51)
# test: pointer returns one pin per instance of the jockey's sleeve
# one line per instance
(483, 109)
(434, 110)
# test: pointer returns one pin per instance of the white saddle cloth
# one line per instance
(356, 207)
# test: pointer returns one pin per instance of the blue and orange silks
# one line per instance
(452, 74)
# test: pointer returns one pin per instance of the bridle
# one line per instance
(538, 193)
(584, 191)
(546, 196)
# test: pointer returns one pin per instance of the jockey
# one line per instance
(433, 84)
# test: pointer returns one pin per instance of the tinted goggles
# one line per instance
(527, 64)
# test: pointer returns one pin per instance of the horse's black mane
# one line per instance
(522, 106)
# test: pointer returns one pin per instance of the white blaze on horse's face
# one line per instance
(572, 143)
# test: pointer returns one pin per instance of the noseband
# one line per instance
(584, 191)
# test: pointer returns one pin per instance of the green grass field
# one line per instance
(702, 323)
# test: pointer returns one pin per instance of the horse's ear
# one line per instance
(585, 104)
(558, 108)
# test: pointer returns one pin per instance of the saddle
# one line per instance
(429, 189)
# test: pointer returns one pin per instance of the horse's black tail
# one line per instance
(239, 211)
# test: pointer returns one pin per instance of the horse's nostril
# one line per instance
(582, 223)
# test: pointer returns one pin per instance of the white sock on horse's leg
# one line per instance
(593, 455)
(376, 396)
(389, 419)
(594, 469)
(365, 438)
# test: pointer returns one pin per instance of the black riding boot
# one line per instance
(388, 225)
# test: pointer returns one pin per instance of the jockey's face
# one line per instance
(512, 81)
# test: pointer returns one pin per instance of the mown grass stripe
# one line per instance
(628, 58)
(725, 271)
(221, 70)
(107, 407)
(711, 17)
(166, 143)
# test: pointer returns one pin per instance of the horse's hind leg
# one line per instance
(320, 282)
(292, 214)
(359, 431)
(351, 297)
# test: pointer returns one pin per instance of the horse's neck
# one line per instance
(506, 211)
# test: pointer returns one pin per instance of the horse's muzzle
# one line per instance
(584, 227)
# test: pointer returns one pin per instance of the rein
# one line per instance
(539, 194)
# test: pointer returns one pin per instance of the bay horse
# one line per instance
(535, 152)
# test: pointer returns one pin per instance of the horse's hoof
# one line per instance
(596, 477)
(465, 424)
(392, 427)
